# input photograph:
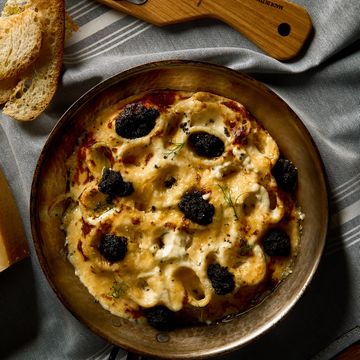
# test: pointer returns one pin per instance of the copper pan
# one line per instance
(295, 143)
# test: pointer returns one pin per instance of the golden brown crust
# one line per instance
(6, 88)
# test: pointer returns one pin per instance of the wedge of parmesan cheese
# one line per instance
(13, 244)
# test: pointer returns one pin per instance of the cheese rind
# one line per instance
(13, 243)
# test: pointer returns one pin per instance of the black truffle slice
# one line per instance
(205, 144)
(285, 174)
(113, 248)
(136, 121)
(161, 318)
(112, 184)
(277, 243)
(222, 280)
(196, 208)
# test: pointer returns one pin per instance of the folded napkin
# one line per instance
(322, 87)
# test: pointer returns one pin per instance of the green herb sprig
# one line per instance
(175, 150)
(229, 199)
(245, 249)
(118, 288)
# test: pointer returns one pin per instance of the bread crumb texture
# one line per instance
(20, 42)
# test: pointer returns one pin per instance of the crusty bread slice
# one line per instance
(38, 85)
(20, 41)
(7, 85)
(6, 88)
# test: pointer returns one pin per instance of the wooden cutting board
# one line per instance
(13, 243)
(278, 27)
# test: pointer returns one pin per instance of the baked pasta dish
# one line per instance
(181, 209)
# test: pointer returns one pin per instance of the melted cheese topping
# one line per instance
(168, 255)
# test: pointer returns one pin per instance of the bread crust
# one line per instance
(6, 88)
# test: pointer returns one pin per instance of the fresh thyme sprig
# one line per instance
(118, 288)
(12, 10)
(228, 199)
(175, 150)
(245, 249)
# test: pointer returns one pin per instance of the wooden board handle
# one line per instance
(278, 27)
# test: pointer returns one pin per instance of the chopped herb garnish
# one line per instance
(175, 150)
(245, 249)
(12, 10)
(118, 288)
(228, 199)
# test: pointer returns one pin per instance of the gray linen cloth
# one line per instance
(323, 88)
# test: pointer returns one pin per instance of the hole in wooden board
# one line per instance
(284, 29)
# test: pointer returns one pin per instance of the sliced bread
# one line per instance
(38, 85)
(20, 42)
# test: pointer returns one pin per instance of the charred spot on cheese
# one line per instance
(160, 318)
(222, 280)
(168, 183)
(277, 243)
(112, 184)
(162, 99)
(113, 248)
(285, 174)
(205, 144)
(81, 251)
(136, 121)
(241, 133)
(196, 208)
